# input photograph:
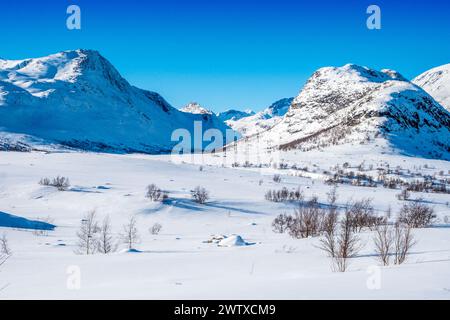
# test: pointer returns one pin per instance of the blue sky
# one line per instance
(232, 54)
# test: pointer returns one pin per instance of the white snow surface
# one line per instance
(437, 83)
(177, 263)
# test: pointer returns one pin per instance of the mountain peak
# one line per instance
(195, 108)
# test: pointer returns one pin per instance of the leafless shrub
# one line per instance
(284, 194)
(61, 183)
(106, 243)
(328, 241)
(403, 242)
(384, 241)
(276, 178)
(155, 229)
(416, 215)
(130, 235)
(4, 246)
(282, 223)
(156, 194)
(200, 195)
(307, 221)
(361, 215)
(45, 182)
(87, 235)
(348, 244)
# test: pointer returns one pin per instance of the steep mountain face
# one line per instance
(78, 99)
(355, 105)
(261, 121)
(437, 83)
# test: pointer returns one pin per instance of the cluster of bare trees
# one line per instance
(94, 237)
(61, 183)
(393, 241)
(309, 220)
(340, 241)
(416, 215)
(200, 195)
(156, 194)
(284, 195)
(361, 215)
(339, 236)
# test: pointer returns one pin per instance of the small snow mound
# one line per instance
(233, 241)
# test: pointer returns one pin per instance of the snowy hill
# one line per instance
(78, 99)
(354, 105)
(261, 121)
(437, 83)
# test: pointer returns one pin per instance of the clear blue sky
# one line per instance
(234, 53)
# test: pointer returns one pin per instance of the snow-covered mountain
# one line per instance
(78, 99)
(437, 83)
(355, 105)
(195, 108)
(261, 121)
(234, 115)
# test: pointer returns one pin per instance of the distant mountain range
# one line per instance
(77, 99)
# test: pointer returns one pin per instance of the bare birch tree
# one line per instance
(106, 242)
(384, 241)
(130, 235)
(87, 235)
(403, 242)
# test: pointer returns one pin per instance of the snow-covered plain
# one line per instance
(179, 263)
